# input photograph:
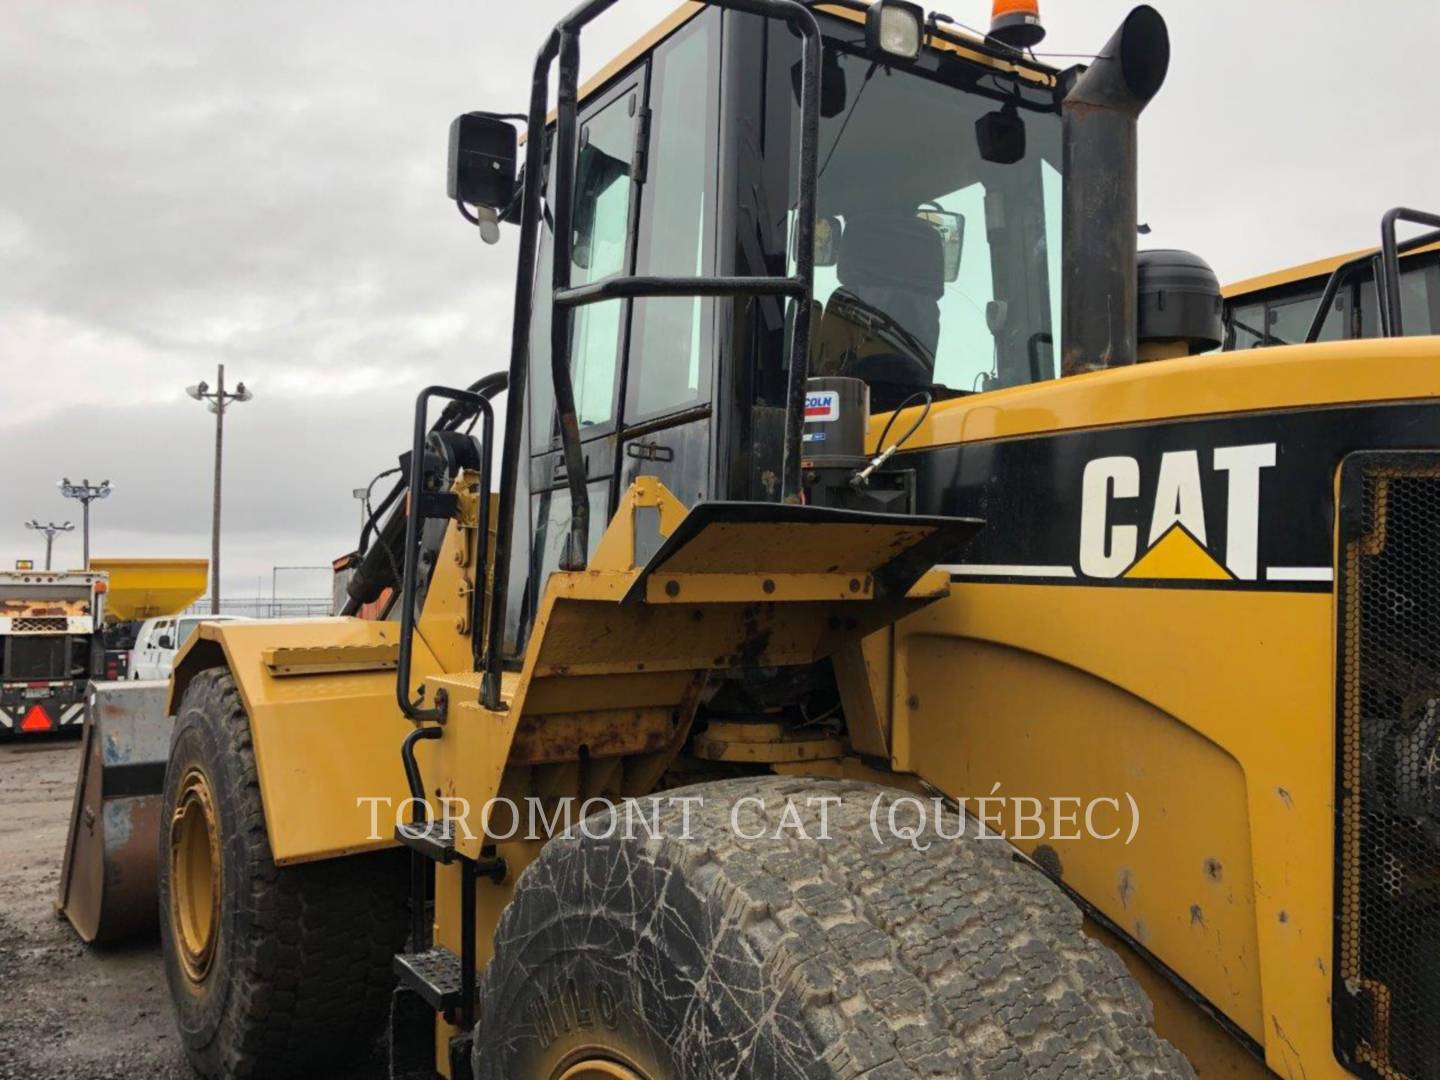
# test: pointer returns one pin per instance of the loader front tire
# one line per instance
(704, 953)
(273, 971)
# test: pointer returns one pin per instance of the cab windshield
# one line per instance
(938, 254)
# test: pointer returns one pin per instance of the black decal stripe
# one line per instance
(1029, 490)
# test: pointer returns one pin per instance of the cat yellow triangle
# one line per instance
(1178, 555)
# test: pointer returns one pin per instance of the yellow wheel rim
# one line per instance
(194, 875)
(599, 1069)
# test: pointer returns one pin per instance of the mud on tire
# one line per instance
(299, 977)
(719, 956)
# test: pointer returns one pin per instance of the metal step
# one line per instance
(434, 975)
(435, 840)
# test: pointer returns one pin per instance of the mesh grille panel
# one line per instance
(41, 624)
(35, 657)
(1387, 970)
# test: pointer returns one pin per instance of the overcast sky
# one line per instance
(262, 184)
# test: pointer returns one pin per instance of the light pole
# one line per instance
(218, 399)
(361, 494)
(50, 529)
(87, 493)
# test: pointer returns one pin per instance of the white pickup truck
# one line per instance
(160, 639)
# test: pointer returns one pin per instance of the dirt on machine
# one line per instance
(857, 476)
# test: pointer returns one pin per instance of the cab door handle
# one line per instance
(649, 451)
(559, 472)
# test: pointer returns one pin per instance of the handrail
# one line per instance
(416, 513)
(564, 43)
(450, 418)
(419, 924)
(1345, 270)
(1390, 314)
(636, 287)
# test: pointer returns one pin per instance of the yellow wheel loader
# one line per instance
(866, 666)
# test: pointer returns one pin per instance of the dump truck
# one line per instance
(140, 589)
(1067, 708)
(50, 647)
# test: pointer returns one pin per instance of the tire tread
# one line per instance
(310, 986)
(959, 960)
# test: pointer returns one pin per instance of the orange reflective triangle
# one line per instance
(36, 719)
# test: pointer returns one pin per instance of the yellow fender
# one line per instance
(320, 694)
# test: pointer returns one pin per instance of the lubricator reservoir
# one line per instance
(835, 470)
(837, 412)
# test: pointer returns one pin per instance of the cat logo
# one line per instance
(1174, 529)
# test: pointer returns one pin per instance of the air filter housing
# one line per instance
(1180, 305)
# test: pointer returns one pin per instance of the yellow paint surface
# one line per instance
(1212, 709)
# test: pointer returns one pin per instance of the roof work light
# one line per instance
(895, 27)
(1017, 23)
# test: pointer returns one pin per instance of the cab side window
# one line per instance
(1245, 326)
(600, 246)
(1288, 319)
(1283, 317)
(670, 348)
(602, 218)
(1419, 297)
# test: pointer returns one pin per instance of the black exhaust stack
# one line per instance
(1101, 112)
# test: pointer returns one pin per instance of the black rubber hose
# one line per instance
(376, 571)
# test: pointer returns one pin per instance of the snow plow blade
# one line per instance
(109, 877)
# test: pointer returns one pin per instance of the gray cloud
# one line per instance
(186, 184)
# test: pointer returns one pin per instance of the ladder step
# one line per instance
(434, 975)
(434, 840)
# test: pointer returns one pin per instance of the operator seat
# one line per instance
(882, 324)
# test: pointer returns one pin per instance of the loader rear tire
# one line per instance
(718, 955)
(274, 971)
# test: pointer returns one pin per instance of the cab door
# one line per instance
(606, 201)
(666, 414)
(643, 372)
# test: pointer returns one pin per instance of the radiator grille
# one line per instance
(40, 624)
(1387, 962)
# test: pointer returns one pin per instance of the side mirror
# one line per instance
(951, 227)
(483, 153)
(827, 240)
(596, 172)
(165, 642)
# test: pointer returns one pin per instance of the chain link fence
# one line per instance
(252, 607)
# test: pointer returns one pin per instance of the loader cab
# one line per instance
(1279, 308)
(937, 256)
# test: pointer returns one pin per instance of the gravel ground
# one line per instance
(70, 1011)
